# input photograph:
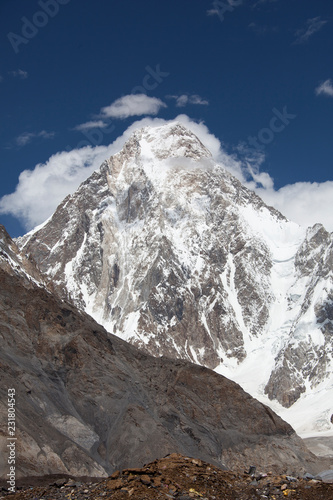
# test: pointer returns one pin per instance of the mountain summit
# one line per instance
(169, 251)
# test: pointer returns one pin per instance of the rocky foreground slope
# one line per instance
(88, 403)
(172, 253)
(183, 478)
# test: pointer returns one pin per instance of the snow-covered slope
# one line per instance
(169, 251)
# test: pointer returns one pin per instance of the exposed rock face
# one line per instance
(13, 262)
(88, 403)
(309, 348)
(169, 251)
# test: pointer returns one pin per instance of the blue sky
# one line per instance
(254, 78)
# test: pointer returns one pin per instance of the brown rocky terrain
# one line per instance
(182, 478)
(87, 403)
(14, 262)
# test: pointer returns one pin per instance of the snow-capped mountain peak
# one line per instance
(172, 140)
(169, 251)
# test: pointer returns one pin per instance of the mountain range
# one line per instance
(170, 252)
(87, 403)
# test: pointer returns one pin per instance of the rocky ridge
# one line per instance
(14, 262)
(169, 251)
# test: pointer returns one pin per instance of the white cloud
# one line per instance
(26, 137)
(133, 105)
(303, 202)
(19, 74)
(90, 125)
(196, 99)
(40, 190)
(184, 99)
(311, 27)
(325, 88)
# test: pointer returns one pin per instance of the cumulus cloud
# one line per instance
(311, 27)
(325, 88)
(303, 202)
(133, 105)
(40, 190)
(26, 137)
(124, 107)
(184, 99)
(19, 73)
